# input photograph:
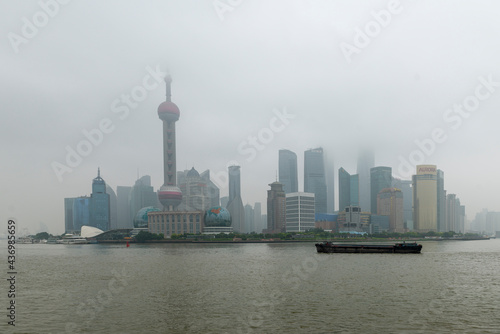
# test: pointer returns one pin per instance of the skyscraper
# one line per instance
(169, 194)
(380, 178)
(425, 192)
(113, 213)
(142, 195)
(123, 207)
(258, 217)
(276, 206)
(68, 215)
(235, 203)
(99, 204)
(288, 171)
(366, 161)
(330, 183)
(314, 178)
(348, 189)
(441, 203)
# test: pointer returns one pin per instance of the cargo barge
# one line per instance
(400, 248)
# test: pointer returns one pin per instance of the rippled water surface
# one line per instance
(452, 287)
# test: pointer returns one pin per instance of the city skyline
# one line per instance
(77, 98)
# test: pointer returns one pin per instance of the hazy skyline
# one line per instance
(250, 78)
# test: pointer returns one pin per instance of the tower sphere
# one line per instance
(170, 196)
(168, 111)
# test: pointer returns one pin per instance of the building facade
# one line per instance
(366, 161)
(380, 178)
(175, 222)
(425, 194)
(390, 203)
(287, 167)
(314, 178)
(276, 209)
(100, 211)
(299, 214)
(235, 204)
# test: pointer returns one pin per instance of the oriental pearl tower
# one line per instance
(170, 195)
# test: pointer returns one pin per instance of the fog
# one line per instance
(417, 81)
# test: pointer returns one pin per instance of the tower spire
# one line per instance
(168, 81)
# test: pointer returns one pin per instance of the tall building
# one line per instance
(249, 218)
(330, 184)
(142, 195)
(99, 204)
(299, 212)
(235, 203)
(366, 161)
(441, 202)
(380, 178)
(68, 215)
(288, 171)
(406, 189)
(258, 217)
(124, 217)
(213, 190)
(169, 194)
(314, 178)
(455, 214)
(390, 203)
(348, 189)
(224, 200)
(276, 209)
(425, 192)
(113, 209)
(81, 213)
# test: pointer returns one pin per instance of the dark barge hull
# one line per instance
(403, 248)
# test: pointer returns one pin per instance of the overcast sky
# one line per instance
(341, 75)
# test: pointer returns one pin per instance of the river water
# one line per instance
(452, 287)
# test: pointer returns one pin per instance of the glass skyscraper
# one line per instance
(348, 189)
(314, 178)
(235, 203)
(366, 161)
(99, 204)
(288, 171)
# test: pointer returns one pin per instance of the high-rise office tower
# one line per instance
(441, 202)
(366, 161)
(142, 195)
(113, 213)
(68, 215)
(390, 203)
(330, 183)
(212, 189)
(276, 209)
(249, 218)
(169, 194)
(348, 189)
(380, 178)
(81, 213)
(258, 217)
(198, 192)
(299, 212)
(123, 207)
(99, 204)
(235, 203)
(314, 178)
(425, 193)
(288, 171)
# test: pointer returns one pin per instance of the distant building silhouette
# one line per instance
(314, 178)
(288, 171)
(348, 189)
(366, 161)
(113, 208)
(276, 209)
(198, 192)
(235, 204)
(380, 178)
(390, 203)
(142, 195)
(123, 207)
(258, 217)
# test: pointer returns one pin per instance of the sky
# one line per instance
(416, 81)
